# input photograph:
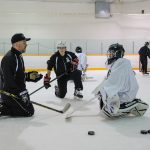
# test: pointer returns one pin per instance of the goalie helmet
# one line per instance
(78, 49)
(115, 52)
(61, 45)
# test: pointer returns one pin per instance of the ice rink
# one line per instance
(49, 130)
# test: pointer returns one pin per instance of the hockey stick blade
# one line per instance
(80, 116)
(89, 77)
(68, 116)
(67, 106)
(78, 108)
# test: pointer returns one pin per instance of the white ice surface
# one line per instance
(48, 130)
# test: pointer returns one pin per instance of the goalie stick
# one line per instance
(84, 115)
(95, 92)
(66, 107)
(69, 115)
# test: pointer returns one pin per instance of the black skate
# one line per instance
(78, 94)
(56, 90)
(1, 107)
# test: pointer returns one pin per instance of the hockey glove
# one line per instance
(47, 81)
(74, 64)
(33, 76)
(24, 97)
(75, 61)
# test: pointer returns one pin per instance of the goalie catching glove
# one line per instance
(33, 76)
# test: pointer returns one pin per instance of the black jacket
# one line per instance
(61, 64)
(144, 52)
(13, 72)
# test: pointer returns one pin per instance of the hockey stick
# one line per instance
(66, 107)
(69, 115)
(84, 115)
(49, 82)
(95, 91)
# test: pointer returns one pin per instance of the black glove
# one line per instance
(47, 81)
(24, 97)
(33, 76)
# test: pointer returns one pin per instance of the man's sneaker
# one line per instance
(78, 94)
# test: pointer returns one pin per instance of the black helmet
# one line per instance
(115, 52)
(78, 49)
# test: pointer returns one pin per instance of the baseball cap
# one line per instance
(146, 43)
(19, 37)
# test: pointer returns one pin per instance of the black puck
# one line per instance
(91, 133)
(144, 131)
(148, 131)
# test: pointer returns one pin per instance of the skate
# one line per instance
(1, 107)
(83, 77)
(56, 90)
(145, 73)
(77, 94)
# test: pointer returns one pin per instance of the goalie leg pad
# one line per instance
(140, 109)
(113, 116)
(127, 107)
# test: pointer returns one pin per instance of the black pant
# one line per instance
(62, 83)
(144, 64)
(14, 107)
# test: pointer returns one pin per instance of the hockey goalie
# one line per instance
(117, 93)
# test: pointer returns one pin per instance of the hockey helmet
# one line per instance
(61, 45)
(115, 52)
(78, 49)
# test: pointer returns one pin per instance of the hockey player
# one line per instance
(64, 62)
(82, 66)
(0, 83)
(15, 97)
(144, 52)
(117, 93)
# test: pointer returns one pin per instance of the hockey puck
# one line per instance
(91, 133)
(144, 131)
(148, 131)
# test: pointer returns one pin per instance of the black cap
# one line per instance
(19, 37)
(146, 43)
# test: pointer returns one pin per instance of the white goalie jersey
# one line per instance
(121, 81)
(120, 86)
